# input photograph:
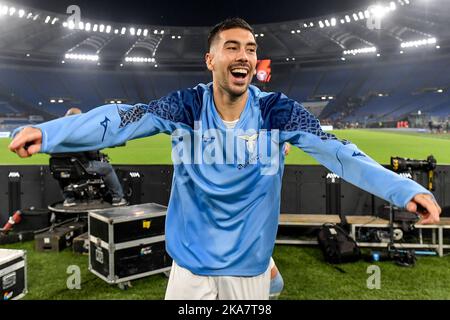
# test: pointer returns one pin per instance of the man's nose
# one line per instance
(242, 55)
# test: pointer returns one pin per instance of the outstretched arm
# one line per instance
(108, 125)
(302, 129)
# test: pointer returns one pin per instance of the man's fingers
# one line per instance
(31, 137)
(21, 152)
(432, 209)
(411, 207)
(35, 148)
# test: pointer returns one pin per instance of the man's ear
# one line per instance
(208, 60)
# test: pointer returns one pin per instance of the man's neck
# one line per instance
(229, 107)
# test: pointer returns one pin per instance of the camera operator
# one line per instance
(97, 162)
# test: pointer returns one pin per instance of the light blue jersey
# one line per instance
(224, 206)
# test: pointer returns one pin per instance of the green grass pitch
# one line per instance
(306, 275)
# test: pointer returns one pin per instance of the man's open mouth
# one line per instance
(239, 73)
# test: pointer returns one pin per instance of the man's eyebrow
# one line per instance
(237, 42)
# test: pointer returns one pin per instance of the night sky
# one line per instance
(199, 12)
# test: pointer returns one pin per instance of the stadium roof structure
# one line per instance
(29, 35)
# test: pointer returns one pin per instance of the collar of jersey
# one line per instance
(216, 117)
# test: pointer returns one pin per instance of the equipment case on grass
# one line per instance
(127, 243)
(13, 274)
(60, 237)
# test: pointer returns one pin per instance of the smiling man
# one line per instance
(223, 211)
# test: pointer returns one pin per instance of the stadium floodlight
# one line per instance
(156, 66)
(342, 21)
(327, 23)
(108, 29)
(418, 43)
(140, 60)
(95, 28)
(83, 57)
(321, 25)
(87, 27)
(132, 31)
(311, 24)
(440, 91)
(293, 31)
(330, 98)
(162, 32)
(123, 30)
(361, 15)
(63, 62)
(262, 34)
(35, 17)
(47, 19)
(29, 15)
(305, 25)
(179, 37)
(60, 100)
(333, 22)
(155, 31)
(173, 37)
(347, 18)
(4, 10)
(81, 25)
(101, 28)
(360, 51)
(65, 24)
(71, 25)
(438, 47)
(378, 11)
(54, 20)
(367, 14)
(139, 31)
(343, 59)
(52, 101)
(119, 101)
(12, 10)
(355, 17)
(21, 13)
(145, 32)
(392, 5)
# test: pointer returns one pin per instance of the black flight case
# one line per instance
(126, 243)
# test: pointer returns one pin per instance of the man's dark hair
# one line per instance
(227, 24)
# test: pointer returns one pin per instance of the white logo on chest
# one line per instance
(250, 141)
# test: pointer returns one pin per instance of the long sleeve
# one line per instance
(302, 129)
(114, 124)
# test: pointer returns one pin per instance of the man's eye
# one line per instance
(231, 48)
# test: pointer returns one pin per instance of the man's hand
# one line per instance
(27, 142)
(431, 209)
(286, 148)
